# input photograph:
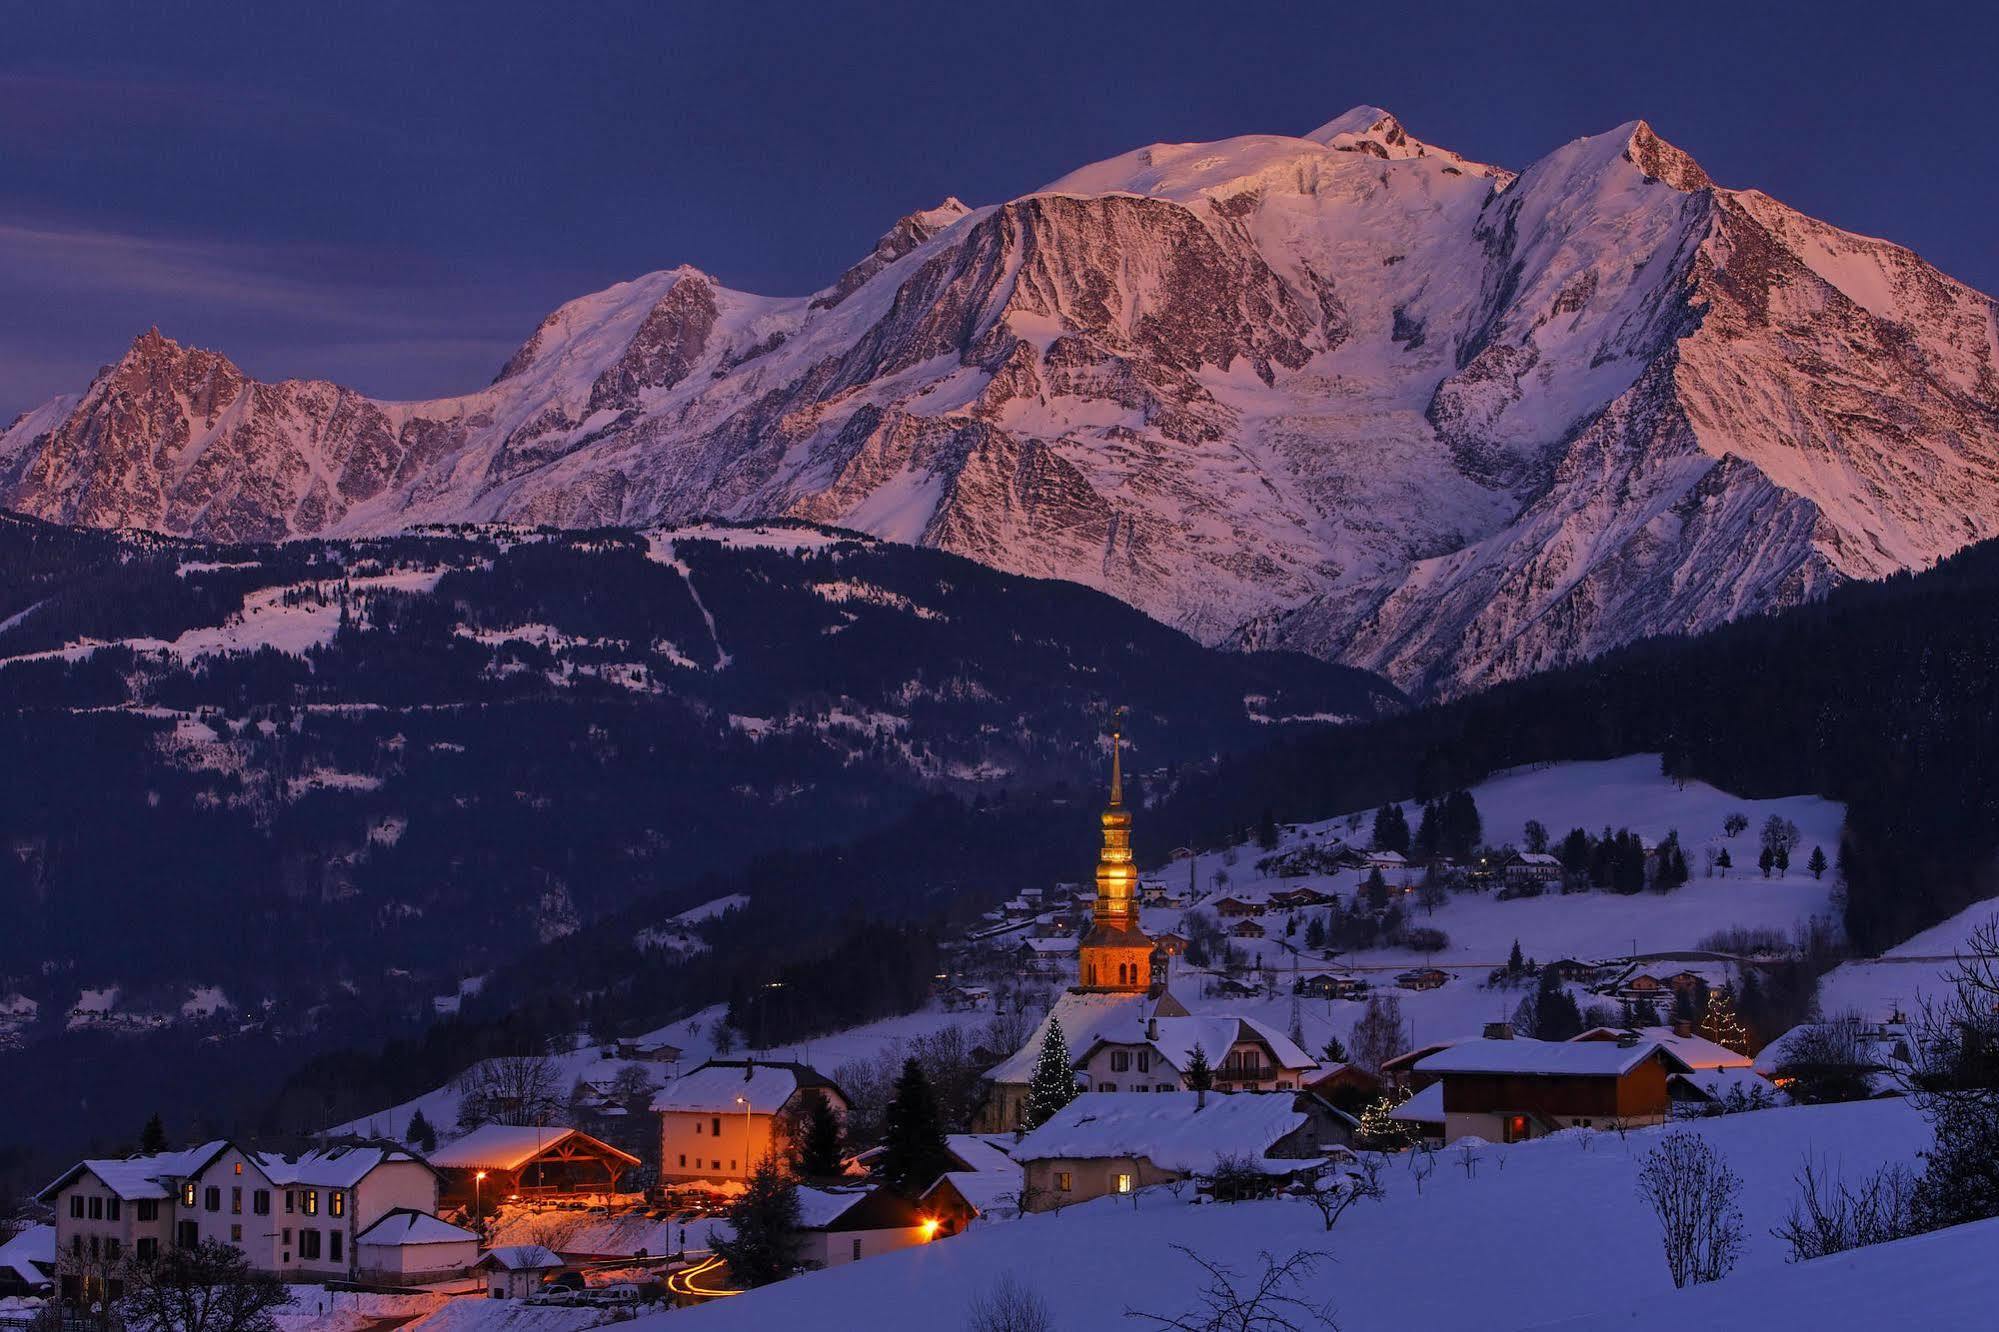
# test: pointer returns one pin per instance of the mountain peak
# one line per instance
(1360, 120)
(1662, 161)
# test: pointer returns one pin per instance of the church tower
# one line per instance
(1116, 955)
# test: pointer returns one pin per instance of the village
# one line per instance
(1135, 1035)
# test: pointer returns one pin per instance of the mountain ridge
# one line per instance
(1348, 392)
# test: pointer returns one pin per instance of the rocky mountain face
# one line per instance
(1347, 392)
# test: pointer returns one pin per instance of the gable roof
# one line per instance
(982, 1151)
(1216, 1035)
(1173, 1130)
(987, 1192)
(520, 1258)
(31, 1255)
(511, 1146)
(1697, 1051)
(1082, 1017)
(1557, 1059)
(407, 1226)
(863, 1207)
(331, 1167)
(714, 1087)
(137, 1178)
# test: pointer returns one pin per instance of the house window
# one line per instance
(1062, 1181)
(333, 1241)
(1139, 1087)
(697, 1128)
(312, 1202)
(236, 1234)
(97, 1209)
(76, 1205)
(260, 1202)
(1516, 1128)
(291, 1202)
(308, 1244)
(336, 1202)
(1145, 1061)
(211, 1198)
(285, 1236)
(148, 1249)
(112, 1208)
(683, 1160)
(1120, 1061)
(112, 1247)
(1106, 1086)
(239, 1167)
(732, 1164)
(187, 1193)
(1160, 1086)
(715, 1127)
(76, 1245)
(1123, 1181)
(236, 1201)
(189, 1234)
(857, 1249)
(149, 1209)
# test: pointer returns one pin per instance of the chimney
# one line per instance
(1152, 1028)
(1683, 1026)
(1499, 1031)
(1627, 1040)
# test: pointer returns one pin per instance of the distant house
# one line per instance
(1388, 862)
(1530, 869)
(845, 1225)
(1423, 978)
(1697, 1052)
(1717, 1090)
(516, 1271)
(28, 1262)
(962, 998)
(1228, 987)
(649, 1051)
(1246, 929)
(1042, 955)
(408, 1247)
(1172, 943)
(497, 1163)
(1236, 908)
(1343, 1083)
(1511, 1089)
(1326, 985)
(724, 1117)
(1570, 969)
(1115, 1144)
(961, 1198)
(1290, 899)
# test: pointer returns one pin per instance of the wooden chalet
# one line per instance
(497, 1163)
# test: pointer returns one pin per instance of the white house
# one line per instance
(720, 1120)
(1154, 1055)
(845, 1225)
(517, 1271)
(411, 1246)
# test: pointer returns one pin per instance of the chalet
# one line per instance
(1530, 869)
(1401, 1072)
(1326, 985)
(1228, 987)
(1696, 1052)
(1423, 978)
(498, 1163)
(845, 1225)
(1344, 1083)
(294, 1216)
(1388, 862)
(1507, 1089)
(1083, 1015)
(1246, 929)
(964, 998)
(1291, 899)
(1172, 943)
(724, 1117)
(1237, 908)
(516, 1271)
(1572, 970)
(1243, 1055)
(408, 1247)
(1043, 955)
(28, 1263)
(1099, 1145)
(961, 1198)
(649, 1051)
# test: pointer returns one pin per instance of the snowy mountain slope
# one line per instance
(1348, 392)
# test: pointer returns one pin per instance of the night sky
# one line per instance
(393, 195)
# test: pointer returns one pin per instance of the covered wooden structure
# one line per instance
(498, 1163)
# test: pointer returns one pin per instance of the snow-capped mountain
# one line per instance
(1348, 392)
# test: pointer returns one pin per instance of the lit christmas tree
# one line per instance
(1720, 1023)
(1054, 1082)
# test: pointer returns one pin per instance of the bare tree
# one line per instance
(1828, 1217)
(1377, 1034)
(1693, 1192)
(510, 1089)
(1333, 1191)
(1271, 1301)
(1828, 1061)
(1008, 1305)
(208, 1288)
(1953, 1079)
(1469, 1156)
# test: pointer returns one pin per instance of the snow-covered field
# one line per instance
(1907, 973)
(1537, 1233)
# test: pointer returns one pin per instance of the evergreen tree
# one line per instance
(1766, 861)
(1334, 1052)
(1266, 831)
(765, 1219)
(913, 1151)
(1782, 856)
(1376, 891)
(1515, 963)
(1556, 1016)
(420, 1134)
(1645, 1013)
(1391, 830)
(1315, 934)
(819, 1145)
(1817, 864)
(1054, 1082)
(1722, 860)
(153, 1138)
(1200, 1077)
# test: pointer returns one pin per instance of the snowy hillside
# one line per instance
(1535, 1233)
(1349, 392)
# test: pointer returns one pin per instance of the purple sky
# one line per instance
(393, 195)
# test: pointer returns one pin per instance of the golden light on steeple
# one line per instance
(1116, 954)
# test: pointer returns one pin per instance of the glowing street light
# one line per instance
(744, 1102)
(478, 1178)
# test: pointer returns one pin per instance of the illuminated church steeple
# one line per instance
(1116, 955)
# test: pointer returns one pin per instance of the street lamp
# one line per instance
(744, 1102)
(478, 1178)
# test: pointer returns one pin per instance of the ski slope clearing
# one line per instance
(1908, 973)
(1626, 792)
(1535, 1233)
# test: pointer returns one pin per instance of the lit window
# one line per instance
(312, 1203)
(236, 1201)
(1062, 1181)
(187, 1193)
(239, 1167)
(336, 1202)
(1123, 1182)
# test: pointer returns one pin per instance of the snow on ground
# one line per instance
(479, 1314)
(317, 1309)
(1941, 1282)
(1540, 1231)
(710, 910)
(1626, 792)
(1907, 973)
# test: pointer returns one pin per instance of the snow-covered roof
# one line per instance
(140, 1177)
(1170, 1129)
(1694, 1051)
(1051, 947)
(983, 1151)
(1082, 1016)
(406, 1226)
(715, 1088)
(520, 1258)
(991, 1192)
(508, 1146)
(1216, 1035)
(331, 1167)
(30, 1255)
(1559, 1059)
(1425, 1107)
(1536, 858)
(1721, 1083)
(819, 1208)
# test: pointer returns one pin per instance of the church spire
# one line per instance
(1116, 954)
(1117, 756)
